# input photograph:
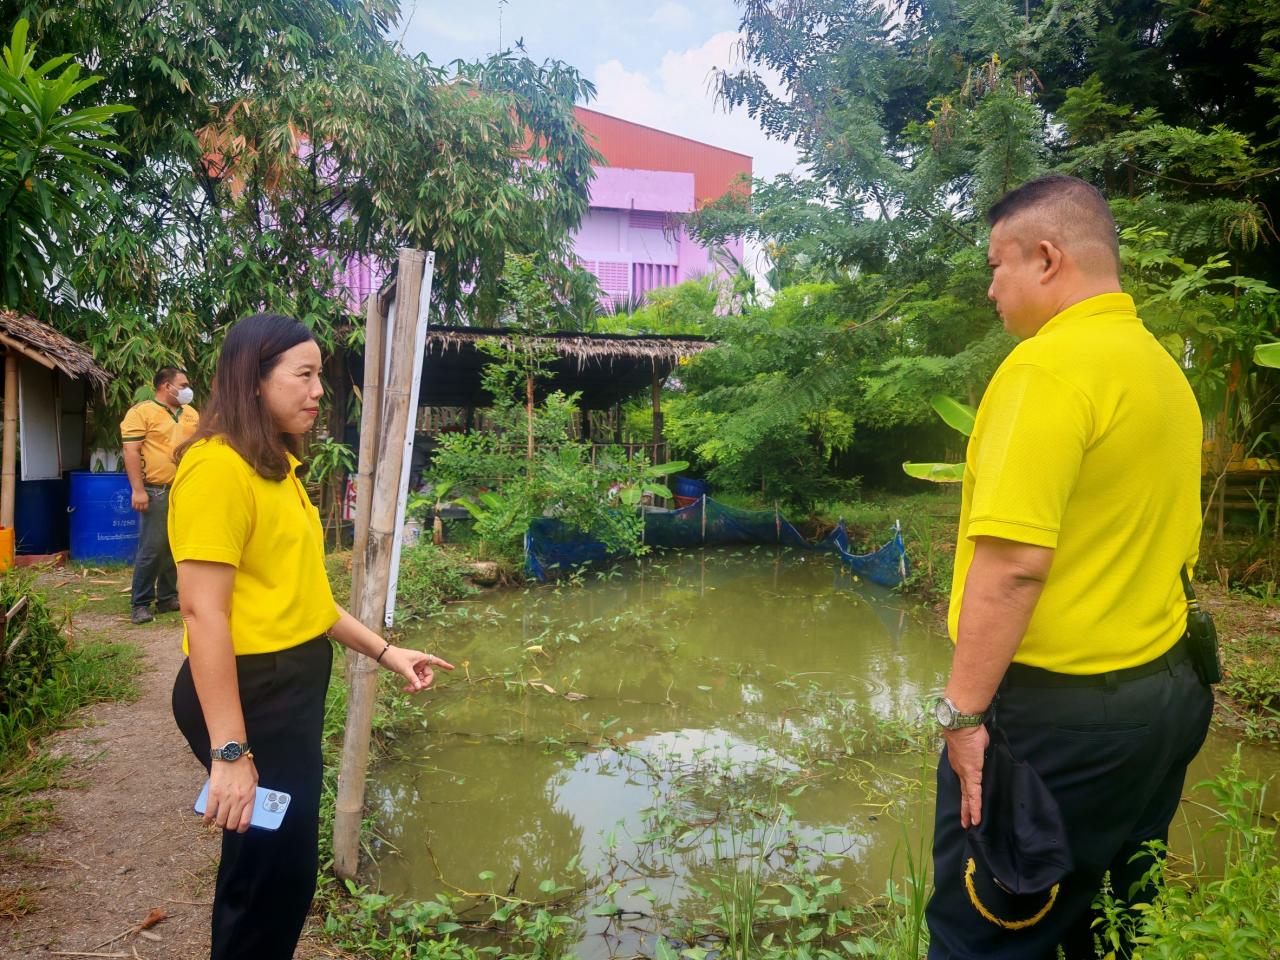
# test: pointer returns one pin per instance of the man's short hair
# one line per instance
(1068, 211)
(165, 375)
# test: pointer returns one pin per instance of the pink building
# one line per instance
(629, 238)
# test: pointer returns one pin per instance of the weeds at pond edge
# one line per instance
(1197, 913)
(761, 893)
(752, 908)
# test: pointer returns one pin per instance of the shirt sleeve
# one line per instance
(1029, 441)
(211, 510)
(133, 427)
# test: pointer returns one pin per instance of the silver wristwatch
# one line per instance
(230, 751)
(949, 718)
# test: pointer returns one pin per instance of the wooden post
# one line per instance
(9, 478)
(657, 414)
(370, 605)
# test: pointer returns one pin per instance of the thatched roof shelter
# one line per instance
(604, 368)
(44, 345)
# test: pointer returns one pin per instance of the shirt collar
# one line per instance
(1117, 307)
(176, 414)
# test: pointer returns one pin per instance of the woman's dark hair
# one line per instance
(235, 411)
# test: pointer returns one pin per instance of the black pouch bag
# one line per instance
(1202, 637)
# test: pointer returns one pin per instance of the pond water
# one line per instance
(630, 734)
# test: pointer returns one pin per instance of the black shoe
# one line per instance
(142, 614)
(168, 606)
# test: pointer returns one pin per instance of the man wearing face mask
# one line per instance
(151, 431)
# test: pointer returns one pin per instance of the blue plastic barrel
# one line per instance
(40, 516)
(688, 487)
(104, 526)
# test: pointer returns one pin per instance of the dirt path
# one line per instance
(123, 840)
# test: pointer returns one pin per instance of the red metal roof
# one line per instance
(637, 147)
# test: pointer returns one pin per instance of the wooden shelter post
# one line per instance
(528, 413)
(8, 483)
(657, 414)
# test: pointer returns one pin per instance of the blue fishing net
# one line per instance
(552, 547)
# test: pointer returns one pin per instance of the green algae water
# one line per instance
(624, 743)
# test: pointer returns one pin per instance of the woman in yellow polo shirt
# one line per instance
(259, 614)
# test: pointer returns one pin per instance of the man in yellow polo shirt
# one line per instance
(150, 432)
(1080, 513)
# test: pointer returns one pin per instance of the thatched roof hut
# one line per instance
(44, 345)
(604, 368)
(26, 339)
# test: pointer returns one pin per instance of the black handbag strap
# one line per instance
(1186, 587)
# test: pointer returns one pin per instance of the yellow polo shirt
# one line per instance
(223, 511)
(160, 431)
(1088, 441)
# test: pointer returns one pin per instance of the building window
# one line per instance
(614, 277)
(649, 220)
(650, 276)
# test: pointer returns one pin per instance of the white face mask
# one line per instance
(185, 396)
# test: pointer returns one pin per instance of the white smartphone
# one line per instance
(268, 808)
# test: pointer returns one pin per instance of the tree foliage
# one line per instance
(911, 117)
(52, 161)
(274, 143)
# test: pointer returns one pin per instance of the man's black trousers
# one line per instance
(266, 879)
(1114, 757)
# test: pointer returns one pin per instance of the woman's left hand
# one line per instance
(414, 665)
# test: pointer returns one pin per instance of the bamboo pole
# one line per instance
(371, 603)
(375, 325)
(9, 478)
(370, 419)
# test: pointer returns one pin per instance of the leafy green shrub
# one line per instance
(429, 577)
(505, 484)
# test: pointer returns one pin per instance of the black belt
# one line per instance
(1021, 675)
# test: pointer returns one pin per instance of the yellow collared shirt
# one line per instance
(160, 431)
(221, 510)
(1088, 441)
